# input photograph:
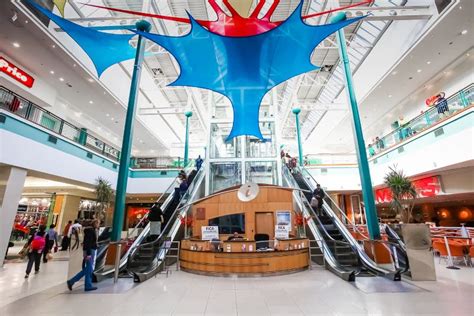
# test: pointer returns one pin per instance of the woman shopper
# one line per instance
(89, 250)
(51, 240)
(36, 244)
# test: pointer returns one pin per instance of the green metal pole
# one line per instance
(364, 171)
(186, 139)
(121, 192)
(296, 112)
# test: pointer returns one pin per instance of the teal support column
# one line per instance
(364, 171)
(122, 181)
(296, 112)
(188, 114)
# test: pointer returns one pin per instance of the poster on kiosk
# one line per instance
(210, 232)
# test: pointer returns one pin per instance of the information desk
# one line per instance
(235, 257)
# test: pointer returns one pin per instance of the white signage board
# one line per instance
(282, 231)
(210, 232)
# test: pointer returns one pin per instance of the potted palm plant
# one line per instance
(104, 195)
(403, 193)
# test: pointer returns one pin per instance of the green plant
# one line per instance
(104, 195)
(403, 193)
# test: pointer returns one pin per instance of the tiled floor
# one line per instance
(315, 292)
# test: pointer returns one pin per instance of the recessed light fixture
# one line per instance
(15, 44)
(90, 80)
(53, 46)
(419, 70)
(26, 21)
(91, 102)
(389, 95)
(52, 72)
(61, 79)
(111, 118)
(394, 72)
(428, 62)
(107, 114)
(463, 32)
(74, 65)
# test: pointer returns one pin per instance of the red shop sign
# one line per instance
(16, 73)
(425, 187)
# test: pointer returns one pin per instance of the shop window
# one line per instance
(229, 224)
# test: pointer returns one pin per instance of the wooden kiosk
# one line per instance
(251, 225)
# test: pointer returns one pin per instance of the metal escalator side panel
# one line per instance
(170, 231)
(331, 262)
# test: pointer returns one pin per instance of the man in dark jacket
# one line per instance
(155, 216)
(318, 194)
(89, 248)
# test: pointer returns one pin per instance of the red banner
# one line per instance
(425, 187)
(16, 73)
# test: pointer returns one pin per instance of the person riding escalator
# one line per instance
(155, 216)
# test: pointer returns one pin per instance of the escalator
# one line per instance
(344, 249)
(168, 206)
(148, 259)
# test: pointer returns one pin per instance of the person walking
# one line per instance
(65, 239)
(51, 240)
(89, 251)
(318, 194)
(36, 244)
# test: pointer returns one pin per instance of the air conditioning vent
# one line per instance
(439, 132)
(324, 170)
(3, 118)
(401, 149)
(114, 166)
(52, 139)
(163, 173)
(89, 155)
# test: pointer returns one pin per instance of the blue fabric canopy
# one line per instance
(244, 69)
(104, 49)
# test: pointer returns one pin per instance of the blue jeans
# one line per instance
(86, 272)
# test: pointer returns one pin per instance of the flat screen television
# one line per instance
(229, 224)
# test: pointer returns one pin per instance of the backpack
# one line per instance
(38, 243)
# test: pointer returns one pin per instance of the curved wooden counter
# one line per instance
(244, 263)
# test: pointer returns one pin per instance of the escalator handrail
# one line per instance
(175, 211)
(365, 259)
(188, 169)
(334, 265)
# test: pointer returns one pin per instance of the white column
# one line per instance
(12, 181)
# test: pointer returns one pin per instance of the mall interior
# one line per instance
(237, 157)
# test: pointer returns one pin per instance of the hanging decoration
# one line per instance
(240, 58)
(60, 4)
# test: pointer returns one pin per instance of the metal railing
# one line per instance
(16, 104)
(456, 103)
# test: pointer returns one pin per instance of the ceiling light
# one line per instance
(74, 65)
(394, 72)
(107, 114)
(419, 70)
(15, 44)
(91, 102)
(463, 32)
(389, 95)
(52, 72)
(61, 79)
(90, 80)
(53, 46)
(428, 62)
(26, 21)
(111, 118)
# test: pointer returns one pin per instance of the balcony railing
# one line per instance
(16, 104)
(456, 103)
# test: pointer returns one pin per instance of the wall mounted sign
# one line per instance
(282, 231)
(425, 187)
(210, 232)
(16, 73)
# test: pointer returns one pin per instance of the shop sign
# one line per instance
(210, 232)
(425, 187)
(282, 231)
(16, 73)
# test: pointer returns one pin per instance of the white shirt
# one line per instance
(73, 226)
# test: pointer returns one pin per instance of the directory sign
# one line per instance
(209, 232)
